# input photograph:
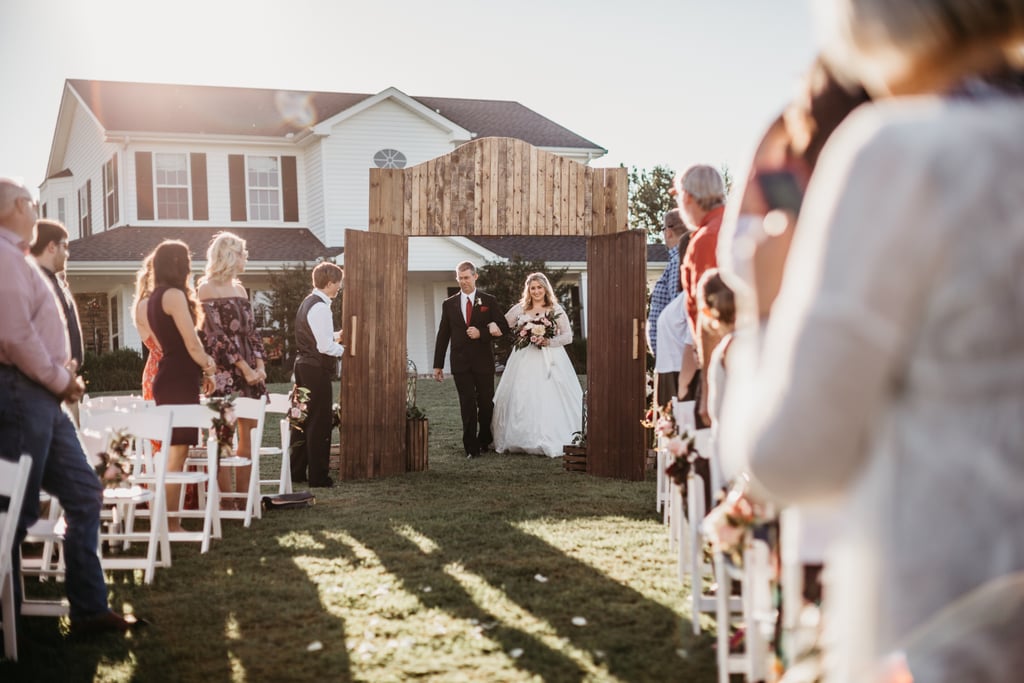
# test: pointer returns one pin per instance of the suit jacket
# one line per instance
(468, 355)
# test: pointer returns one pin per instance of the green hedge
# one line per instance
(119, 370)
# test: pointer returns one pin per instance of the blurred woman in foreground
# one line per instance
(897, 342)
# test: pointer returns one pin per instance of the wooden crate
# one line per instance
(416, 445)
(574, 458)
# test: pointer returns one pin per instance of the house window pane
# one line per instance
(171, 181)
(61, 211)
(264, 182)
(110, 188)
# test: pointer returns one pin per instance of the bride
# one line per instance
(539, 403)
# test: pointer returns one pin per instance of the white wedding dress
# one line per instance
(539, 403)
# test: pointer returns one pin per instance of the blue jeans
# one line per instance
(32, 421)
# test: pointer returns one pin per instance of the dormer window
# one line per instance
(389, 158)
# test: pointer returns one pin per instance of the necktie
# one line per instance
(469, 309)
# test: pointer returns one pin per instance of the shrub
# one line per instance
(577, 351)
(119, 370)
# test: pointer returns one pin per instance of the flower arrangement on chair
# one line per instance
(535, 331)
(114, 463)
(679, 446)
(727, 524)
(299, 410)
(224, 424)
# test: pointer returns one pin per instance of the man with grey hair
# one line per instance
(700, 194)
(36, 374)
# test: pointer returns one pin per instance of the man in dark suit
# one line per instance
(469, 320)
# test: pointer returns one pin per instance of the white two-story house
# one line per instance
(132, 164)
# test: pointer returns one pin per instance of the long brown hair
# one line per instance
(172, 267)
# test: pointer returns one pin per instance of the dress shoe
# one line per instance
(322, 485)
(110, 622)
(470, 456)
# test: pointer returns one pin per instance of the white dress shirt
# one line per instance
(322, 325)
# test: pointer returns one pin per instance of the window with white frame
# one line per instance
(171, 181)
(84, 220)
(110, 191)
(62, 212)
(263, 180)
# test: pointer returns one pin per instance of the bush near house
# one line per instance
(119, 370)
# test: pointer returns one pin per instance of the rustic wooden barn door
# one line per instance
(617, 266)
(373, 373)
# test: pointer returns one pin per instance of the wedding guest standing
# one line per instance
(230, 336)
(664, 293)
(539, 402)
(316, 364)
(143, 288)
(36, 374)
(468, 320)
(50, 250)
(897, 345)
(173, 314)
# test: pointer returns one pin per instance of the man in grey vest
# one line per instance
(316, 364)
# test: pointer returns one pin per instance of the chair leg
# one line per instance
(9, 623)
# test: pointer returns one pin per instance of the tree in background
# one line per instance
(504, 280)
(650, 200)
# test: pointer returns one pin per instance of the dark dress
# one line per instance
(229, 335)
(178, 378)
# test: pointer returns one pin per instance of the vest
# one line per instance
(305, 342)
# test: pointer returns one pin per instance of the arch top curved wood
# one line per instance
(498, 186)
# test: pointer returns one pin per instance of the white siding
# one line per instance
(313, 198)
(349, 155)
(84, 157)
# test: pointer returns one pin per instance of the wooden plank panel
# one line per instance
(531, 203)
(581, 201)
(492, 181)
(373, 422)
(407, 197)
(444, 189)
(501, 185)
(571, 220)
(374, 217)
(552, 190)
(479, 205)
(620, 212)
(541, 189)
(615, 396)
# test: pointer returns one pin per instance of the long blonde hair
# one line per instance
(224, 257)
(549, 293)
(143, 285)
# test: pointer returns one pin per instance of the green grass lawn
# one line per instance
(503, 568)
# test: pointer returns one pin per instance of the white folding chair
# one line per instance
(13, 481)
(194, 415)
(49, 533)
(279, 404)
(754, 609)
(146, 486)
(250, 409)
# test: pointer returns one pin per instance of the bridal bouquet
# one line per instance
(535, 331)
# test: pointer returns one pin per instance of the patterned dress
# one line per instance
(149, 372)
(229, 334)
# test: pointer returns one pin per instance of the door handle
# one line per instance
(636, 338)
(352, 336)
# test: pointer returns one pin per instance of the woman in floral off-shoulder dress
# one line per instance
(229, 335)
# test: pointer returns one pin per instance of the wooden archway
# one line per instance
(492, 187)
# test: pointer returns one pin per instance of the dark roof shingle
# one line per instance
(132, 243)
(214, 110)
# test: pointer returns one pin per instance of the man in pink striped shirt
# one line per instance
(36, 376)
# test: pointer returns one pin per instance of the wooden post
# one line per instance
(416, 442)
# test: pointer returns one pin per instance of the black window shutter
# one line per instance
(88, 203)
(103, 205)
(144, 185)
(200, 200)
(289, 189)
(236, 184)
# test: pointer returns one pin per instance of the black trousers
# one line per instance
(314, 451)
(476, 402)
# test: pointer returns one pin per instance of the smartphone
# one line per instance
(781, 190)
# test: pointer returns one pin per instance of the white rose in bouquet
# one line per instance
(537, 330)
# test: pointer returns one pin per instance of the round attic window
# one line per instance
(389, 158)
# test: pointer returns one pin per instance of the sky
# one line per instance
(655, 82)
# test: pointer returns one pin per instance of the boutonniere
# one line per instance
(478, 301)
